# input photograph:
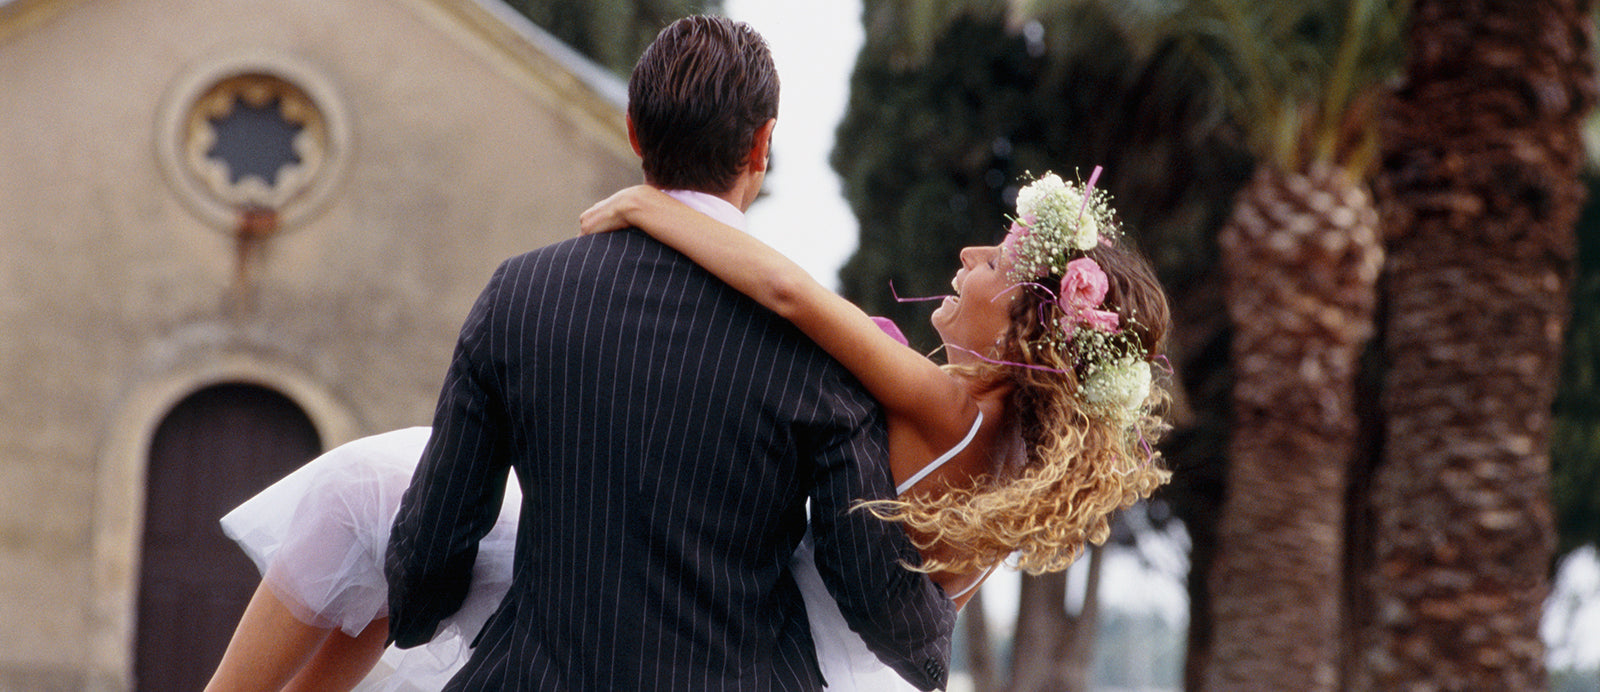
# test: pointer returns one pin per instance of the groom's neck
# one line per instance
(745, 188)
(741, 194)
(734, 197)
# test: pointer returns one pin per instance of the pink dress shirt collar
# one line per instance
(712, 206)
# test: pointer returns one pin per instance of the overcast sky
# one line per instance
(814, 46)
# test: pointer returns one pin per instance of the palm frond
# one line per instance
(1294, 70)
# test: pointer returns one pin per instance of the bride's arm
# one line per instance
(911, 388)
(906, 383)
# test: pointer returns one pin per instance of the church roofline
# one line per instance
(593, 97)
(604, 82)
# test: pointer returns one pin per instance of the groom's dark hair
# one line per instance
(697, 96)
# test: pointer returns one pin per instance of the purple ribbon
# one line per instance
(992, 361)
(1088, 188)
(898, 299)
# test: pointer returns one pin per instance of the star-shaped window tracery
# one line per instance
(254, 140)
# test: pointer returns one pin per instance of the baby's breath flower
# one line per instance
(1055, 217)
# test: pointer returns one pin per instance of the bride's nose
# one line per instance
(971, 256)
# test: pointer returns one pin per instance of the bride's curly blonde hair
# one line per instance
(1078, 462)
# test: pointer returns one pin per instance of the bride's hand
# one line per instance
(615, 212)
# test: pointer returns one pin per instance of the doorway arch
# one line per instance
(215, 448)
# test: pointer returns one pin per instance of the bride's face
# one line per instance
(977, 315)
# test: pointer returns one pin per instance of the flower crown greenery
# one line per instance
(1057, 223)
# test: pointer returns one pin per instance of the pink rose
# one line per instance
(1083, 285)
(1101, 320)
(1098, 320)
(1083, 289)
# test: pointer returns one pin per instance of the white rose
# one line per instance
(1028, 198)
(1121, 386)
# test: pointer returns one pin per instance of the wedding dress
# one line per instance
(846, 662)
(319, 536)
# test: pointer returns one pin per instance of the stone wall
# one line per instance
(452, 136)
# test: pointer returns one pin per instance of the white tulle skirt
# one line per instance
(319, 537)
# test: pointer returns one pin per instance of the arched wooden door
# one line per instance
(215, 449)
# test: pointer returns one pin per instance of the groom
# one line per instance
(667, 433)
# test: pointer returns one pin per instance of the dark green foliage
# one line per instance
(613, 32)
(1296, 76)
(927, 157)
(1575, 435)
(932, 154)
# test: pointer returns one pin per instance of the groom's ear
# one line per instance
(633, 137)
(761, 148)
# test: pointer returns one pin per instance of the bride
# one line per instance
(1037, 429)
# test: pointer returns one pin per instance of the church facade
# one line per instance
(234, 234)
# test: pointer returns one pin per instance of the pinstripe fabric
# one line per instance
(667, 432)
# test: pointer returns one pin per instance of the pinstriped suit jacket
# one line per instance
(667, 432)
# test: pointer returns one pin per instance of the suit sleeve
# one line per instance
(904, 618)
(456, 491)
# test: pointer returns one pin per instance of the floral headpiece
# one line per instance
(1057, 222)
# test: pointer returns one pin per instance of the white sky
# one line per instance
(814, 46)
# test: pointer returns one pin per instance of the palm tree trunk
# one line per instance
(1052, 647)
(980, 649)
(1480, 179)
(1302, 257)
(1078, 654)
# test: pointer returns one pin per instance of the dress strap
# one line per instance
(974, 584)
(948, 455)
